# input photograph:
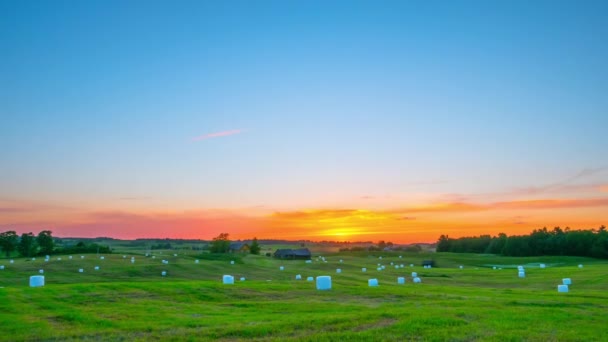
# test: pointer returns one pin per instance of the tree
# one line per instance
(27, 245)
(444, 244)
(8, 242)
(45, 242)
(220, 244)
(255, 246)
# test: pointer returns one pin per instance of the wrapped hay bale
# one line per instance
(228, 279)
(36, 281)
(323, 283)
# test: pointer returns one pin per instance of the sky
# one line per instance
(318, 120)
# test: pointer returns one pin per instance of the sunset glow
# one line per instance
(302, 120)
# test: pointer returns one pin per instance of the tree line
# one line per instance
(29, 245)
(583, 242)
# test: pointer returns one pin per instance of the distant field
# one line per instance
(125, 301)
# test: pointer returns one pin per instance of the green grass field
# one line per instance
(125, 301)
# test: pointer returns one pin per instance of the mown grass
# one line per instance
(125, 302)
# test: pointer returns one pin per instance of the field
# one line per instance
(132, 301)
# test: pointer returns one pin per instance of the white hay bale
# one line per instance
(562, 288)
(414, 274)
(461, 267)
(400, 280)
(33, 259)
(380, 258)
(82, 257)
(542, 265)
(363, 269)
(36, 281)
(13, 261)
(228, 279)
(372, 282)
(70, 257)
(417, 280)
(80, 270)
(580, 266)
(493, 267)
(47, 256)
(196, 261)
(1, 267)
(567, 281)
(323, 283)
(308, 261)
(521, 274)
(338, 270)
(379, 268)
(400, 257)
(231, 262)
(520, 268)
(174, 255)
(132, 261)
(242, 279)
(411, 265)
(341, 261)
(163, 273)
(41, 271)
(310, 279)
(46, 260)
(102, 257)
(96, 268)
(154, 257)
(396, 266)
(401, 266)
(298, 277)
(124, 256)
(383, 267)
(391, 263)
(281, 268)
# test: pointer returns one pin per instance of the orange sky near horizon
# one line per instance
(408, 224)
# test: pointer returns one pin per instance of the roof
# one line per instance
(238, 245)
(302, 252)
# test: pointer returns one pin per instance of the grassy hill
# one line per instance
(132, 301)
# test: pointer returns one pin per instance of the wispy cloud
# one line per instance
(518, 204)
(218, 134)
(565, 185)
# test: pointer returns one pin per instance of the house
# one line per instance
(430, 263)
(239, 247)
(302, 253)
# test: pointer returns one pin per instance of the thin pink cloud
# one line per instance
(218, 134)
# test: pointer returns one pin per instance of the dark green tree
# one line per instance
(255, 246)
(8, 242)
(444, 244)
(45, 242)
(27, 245)
(220, 244)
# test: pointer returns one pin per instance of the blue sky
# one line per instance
(402, 100)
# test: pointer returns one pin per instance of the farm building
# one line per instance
(239, 247)
(428, 263)
(302, 253)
